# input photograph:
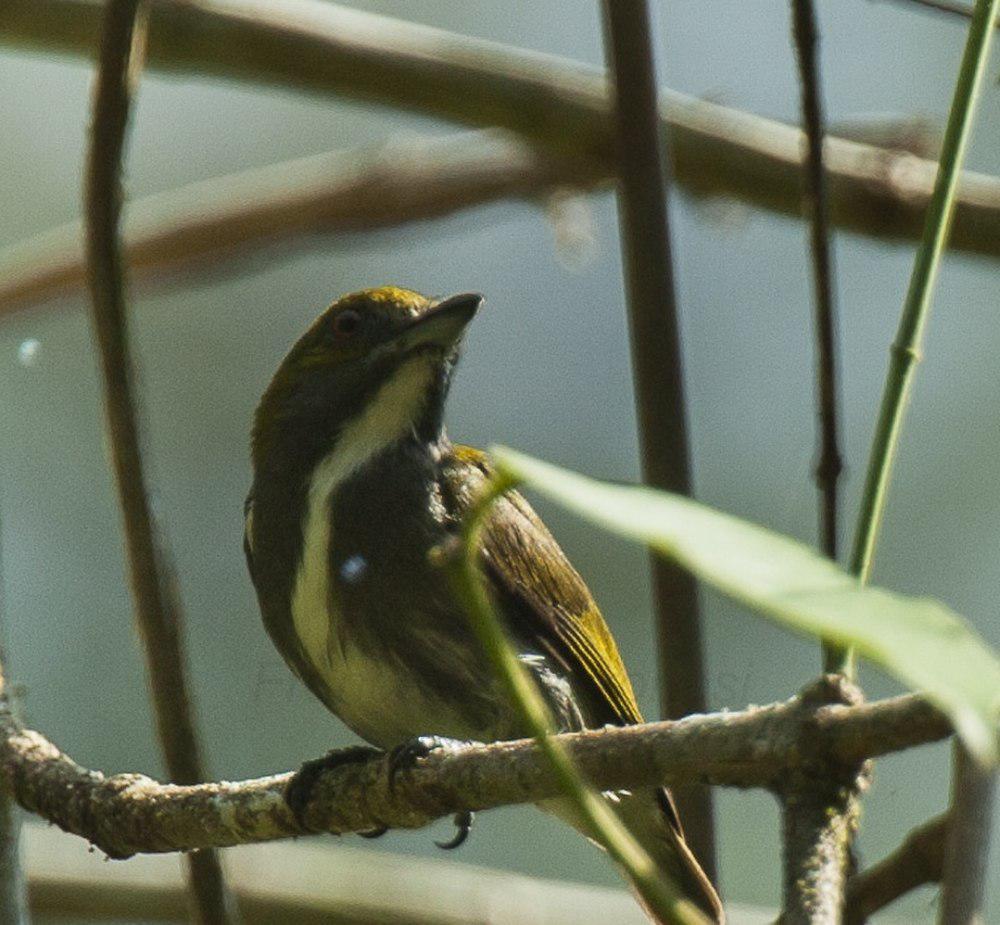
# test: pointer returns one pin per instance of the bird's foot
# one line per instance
(463, 825)
(405, 757)
(299, 790)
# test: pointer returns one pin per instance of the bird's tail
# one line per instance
(650, 816)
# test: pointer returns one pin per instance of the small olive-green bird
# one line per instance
(355, 483)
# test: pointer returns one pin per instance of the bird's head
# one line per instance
(372, 367)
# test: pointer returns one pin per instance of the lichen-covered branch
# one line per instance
(819, 809)
(560, 105)
(129, 813)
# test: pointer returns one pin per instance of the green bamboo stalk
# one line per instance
(661, 895)
(905, 351)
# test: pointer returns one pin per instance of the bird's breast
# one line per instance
(371, 632)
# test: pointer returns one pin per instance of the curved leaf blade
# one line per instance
(919, 641)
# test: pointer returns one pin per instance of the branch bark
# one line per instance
(154, 595)
(917, 861)
(561, 106)
(820, 803)
(129, 813)
(966, 850)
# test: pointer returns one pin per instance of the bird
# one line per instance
(355, 485)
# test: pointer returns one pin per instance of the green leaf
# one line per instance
(919, 641)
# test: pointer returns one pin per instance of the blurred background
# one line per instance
(546, 369)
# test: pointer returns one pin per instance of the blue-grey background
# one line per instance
(546, 369)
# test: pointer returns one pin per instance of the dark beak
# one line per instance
(441, 325)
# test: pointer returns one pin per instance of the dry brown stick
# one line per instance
(212, 226)
(313, 46)
(130, 813)
(945, 6)
(658, 373)
(155, 598)
(966, 850)
(209, 228)
(917, 861)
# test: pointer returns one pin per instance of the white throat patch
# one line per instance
(393, 410)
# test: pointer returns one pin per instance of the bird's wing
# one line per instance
(541, 595)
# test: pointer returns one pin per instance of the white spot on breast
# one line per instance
(353, 569)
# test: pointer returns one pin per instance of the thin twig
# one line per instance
(316, 47)
(917, 861)
(155, 599)
(964, 879)
(816, 207)
(130, 813)
(820, 816)
(658, 372)
(944, 6)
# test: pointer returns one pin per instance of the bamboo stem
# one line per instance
(907, 346)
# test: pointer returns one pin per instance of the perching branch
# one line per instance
(157, 608)
(560, 105)
(917, 861)
(658, 372)
(129, 813)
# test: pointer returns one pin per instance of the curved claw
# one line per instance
(375, 833)
(463, 825)
(299, 790)
(405, 757)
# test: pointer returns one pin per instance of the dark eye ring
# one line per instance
(346, 323)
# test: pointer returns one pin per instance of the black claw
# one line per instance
(463, 825)
(405, 757)
(375, 833)
(299, 790)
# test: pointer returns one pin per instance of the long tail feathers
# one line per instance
(648, 814)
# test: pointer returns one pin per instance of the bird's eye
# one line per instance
(346, 323)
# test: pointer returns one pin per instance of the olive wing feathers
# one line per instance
(542, 596)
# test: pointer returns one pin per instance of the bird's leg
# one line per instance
(463, 825)
(405, 757)
(300, 787)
